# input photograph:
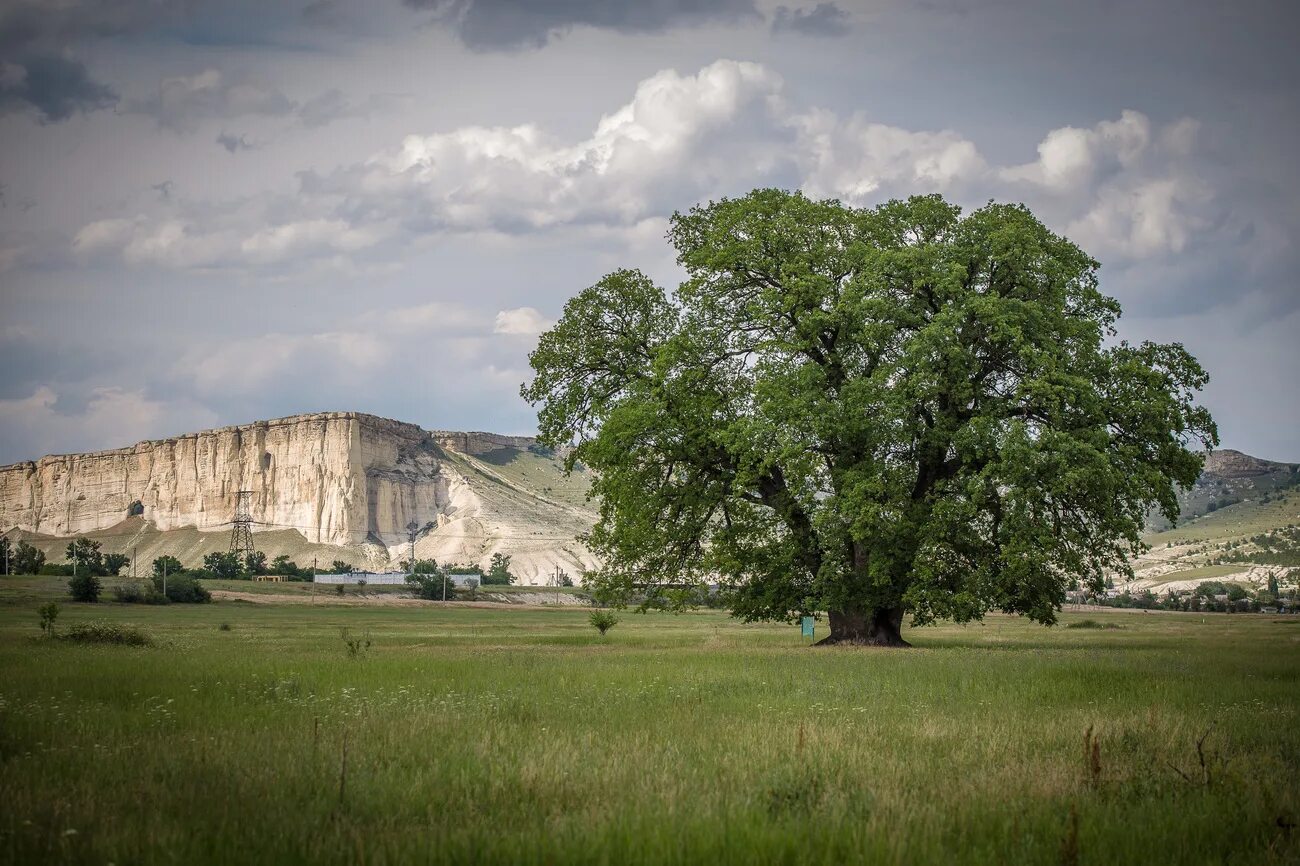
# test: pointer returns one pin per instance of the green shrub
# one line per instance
(138, 593)
(182, 589)
(1092, 623)
(356, 646)
(106, 632)
(603, 620)
(84, 587)
(49, 612)
(225, 626)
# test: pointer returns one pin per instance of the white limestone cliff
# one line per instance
(340, 478)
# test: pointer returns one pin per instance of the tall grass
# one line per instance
(520, 736)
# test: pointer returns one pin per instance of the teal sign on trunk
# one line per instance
(807, 626)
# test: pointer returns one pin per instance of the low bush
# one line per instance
(84, 587)
(182, 589)
(603, 621)
(138, 593)
(1092, 623)
(106, 632)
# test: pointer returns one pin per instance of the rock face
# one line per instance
(342, 479)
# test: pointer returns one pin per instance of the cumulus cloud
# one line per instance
(1126, 188)
(859, 161)
(487, 25)
(521, 321)
(824, 19)
(53, 87)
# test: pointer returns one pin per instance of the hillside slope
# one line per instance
(326, 486)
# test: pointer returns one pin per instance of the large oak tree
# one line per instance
(869, 413)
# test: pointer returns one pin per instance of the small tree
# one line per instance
(340, 567)
(255, 562)
(167, 564)
(225, 565)
(432, 587)
(498, 573)
(26, 559)
(603, 620)
(49, 612)
(85, 553)
(84, 586)
(115, 562)
(6, 551)
(284, 566)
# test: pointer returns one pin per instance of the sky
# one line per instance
(219, 211)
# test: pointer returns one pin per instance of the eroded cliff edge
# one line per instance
(341, 479)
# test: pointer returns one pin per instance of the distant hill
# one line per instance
(1231, 477)
(334, 485)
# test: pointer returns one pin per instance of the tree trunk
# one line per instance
(880, 627)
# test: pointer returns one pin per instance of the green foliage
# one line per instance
(138, 593)
(867, 412)
(432, 586)
(340, 567)
(356, 646)
(167, 564)
(84, 587)
(224, 565)
(423, 566)
(286, 567)
(1091, 624)
(255, 562)
(85, 553)
(26, 559)
(6, 554)
(115, 562)
(498, 573)
(603, 620)
(182, 588)
(236, 744)
(49, 613)
(106, 632)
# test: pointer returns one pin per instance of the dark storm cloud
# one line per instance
(55, 87)
(487, 25)
(824, 19)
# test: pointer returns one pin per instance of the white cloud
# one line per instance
(1126, 188)
(856, 160)
(521, 321)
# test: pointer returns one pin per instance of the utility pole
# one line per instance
(411, 529)
(164, 577)
(556, 578)
(135, 553)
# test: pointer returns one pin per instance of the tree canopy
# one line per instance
(868, 412)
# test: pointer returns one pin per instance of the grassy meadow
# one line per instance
(519, 736)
